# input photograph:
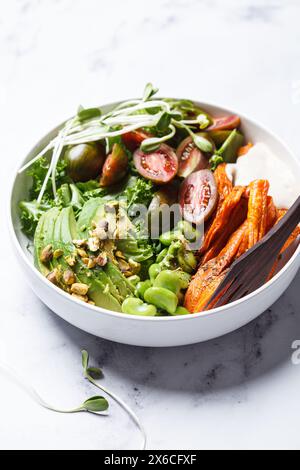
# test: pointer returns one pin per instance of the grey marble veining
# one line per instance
(238, 391)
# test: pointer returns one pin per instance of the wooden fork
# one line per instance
(251, 270)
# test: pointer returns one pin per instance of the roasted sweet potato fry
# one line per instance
(272, 214)
(204, 295)
(257, 210)
(271, 220)
(223, 217)
(238, 217)
(209, 276)
(224, 184)
(245, 149)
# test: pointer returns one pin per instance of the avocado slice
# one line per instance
(101, 288)
(44, 237)
(99, 291)
(68, 227)
(124, 287)
(39, 245)
(86, 216)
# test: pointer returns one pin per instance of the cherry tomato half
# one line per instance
(115, 166)
(132, 140)
(225, 123)
(198, 196)
(190, 158)
(160, 166)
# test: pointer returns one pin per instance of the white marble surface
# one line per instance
(240, 391)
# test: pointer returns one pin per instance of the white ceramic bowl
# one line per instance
(157, 331)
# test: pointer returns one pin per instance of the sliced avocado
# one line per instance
(44, 237)
(86, 216)
(39, 245)
(229, 150)
(102, 276)
(99, 289)
(124, 287)
(102, 298)
(68, 228)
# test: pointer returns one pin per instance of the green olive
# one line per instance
(85, 161)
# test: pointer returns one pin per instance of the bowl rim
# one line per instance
(120, 315)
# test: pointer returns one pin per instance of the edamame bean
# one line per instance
(188, 231)
(187, 261)
(181, 311)
(141, 288)
(184, 278)
(134, 280)
(133, 306)
(154, 271)
(169, 280)
(168, 237)
(162, 298)
(162, 255)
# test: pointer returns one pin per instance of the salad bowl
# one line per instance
(152, 331)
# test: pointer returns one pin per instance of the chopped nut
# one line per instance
(119, 254)
(127, 273)
(71, 260)
(101, 259)
(135, 267)
(53, 277)
(123, 265)
(57, 254)
(82, 253)
(111, 207)
(79, 288)
(86, 261)
(69, 277)
(93, 244)
(92, 263)
(83, 298)
(46, 254)
(100, 233)
(103, 224)
(80, 243)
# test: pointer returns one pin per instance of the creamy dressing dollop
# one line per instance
(261, 163)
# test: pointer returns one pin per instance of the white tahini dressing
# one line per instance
(261, 163)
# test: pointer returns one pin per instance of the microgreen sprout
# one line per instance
(203, 121)
(201, 142)
(94, 405)
(90, 125)
(89, 374)
(215, 161)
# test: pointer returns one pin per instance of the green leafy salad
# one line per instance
(99, 189)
